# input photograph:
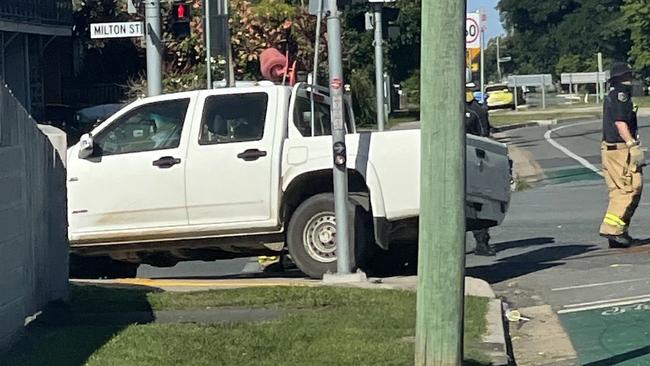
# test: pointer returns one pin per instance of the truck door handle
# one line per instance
(251, 155)
(480, 153)
(166, 162)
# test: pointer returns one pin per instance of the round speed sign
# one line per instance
(473, 31)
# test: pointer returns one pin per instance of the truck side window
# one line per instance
(155, 126)
(233, 118)
(322, 123)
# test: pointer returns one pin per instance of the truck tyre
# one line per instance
(311, 236)
(100, 267)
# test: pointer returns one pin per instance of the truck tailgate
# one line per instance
(488, 169)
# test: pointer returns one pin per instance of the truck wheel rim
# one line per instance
(319, 237)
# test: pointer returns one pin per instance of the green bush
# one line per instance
(363, 96)
(412, 88)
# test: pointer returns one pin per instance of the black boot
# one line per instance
(484, 250)
(621, 241)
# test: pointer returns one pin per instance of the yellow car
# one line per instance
(501, 96)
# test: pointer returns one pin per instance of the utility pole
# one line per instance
(498, 58)
(208, 43)
(344, 266)
(441, 264)
(379, 64)
(154, 47)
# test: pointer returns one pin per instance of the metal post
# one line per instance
(543, 93)
(600, 71)
(482, 40)
(516, 101)
(230, 64)
(570, 88)
(338, 138)
(208, 43)
(379, 65)
(498, 59)
(154, 47)
(230, 67)
(441, 264)
(314, 75)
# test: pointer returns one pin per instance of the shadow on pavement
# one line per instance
(523, 243)
(68, 333)
(621, 358)
(526, 263)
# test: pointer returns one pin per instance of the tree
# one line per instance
(254, 27)
(543, 33)
(636, 15)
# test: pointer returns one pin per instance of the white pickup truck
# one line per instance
(237, 172)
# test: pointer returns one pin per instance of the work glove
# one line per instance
(637, 157)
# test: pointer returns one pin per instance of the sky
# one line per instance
(494, 27)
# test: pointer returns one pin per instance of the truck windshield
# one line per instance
(322, 124)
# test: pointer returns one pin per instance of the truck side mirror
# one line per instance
(86, 146)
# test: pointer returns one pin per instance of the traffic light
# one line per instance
(181, 23)
(389, 17)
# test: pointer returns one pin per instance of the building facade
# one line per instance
(35, 50)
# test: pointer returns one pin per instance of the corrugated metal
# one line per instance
(56, 12)
(33, 223)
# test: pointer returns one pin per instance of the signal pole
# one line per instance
(344, 265)
(154, 47)
(379, 64)
(441, 264)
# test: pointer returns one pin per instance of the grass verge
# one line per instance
(323, 326)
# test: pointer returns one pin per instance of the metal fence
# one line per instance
(57, 12)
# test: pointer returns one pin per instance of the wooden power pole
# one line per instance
(441, 268)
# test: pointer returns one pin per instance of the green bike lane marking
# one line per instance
(615, 335)
(567, 175)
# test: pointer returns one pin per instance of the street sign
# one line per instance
(369, 20)
(131, 7)
(584, 77)
(505, 59)
(473, 30)
(116, 30)
(530, 80)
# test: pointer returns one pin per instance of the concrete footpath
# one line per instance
(494, 342)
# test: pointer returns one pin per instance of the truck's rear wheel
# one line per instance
(100, 267)
(311, 235)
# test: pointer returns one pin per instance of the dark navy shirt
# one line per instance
(618, 107)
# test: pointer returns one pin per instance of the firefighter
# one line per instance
(622, 158)
(477, 123)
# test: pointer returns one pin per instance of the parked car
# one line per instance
(58, 115)
(88, 118)
(239, 172)
(502, 96)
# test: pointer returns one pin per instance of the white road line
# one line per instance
(606, 305)
(568, 152)
(590, 285)
(591, 303)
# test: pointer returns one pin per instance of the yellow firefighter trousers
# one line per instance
(625, 184)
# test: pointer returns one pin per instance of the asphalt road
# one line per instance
(549, 242)
(549, 251)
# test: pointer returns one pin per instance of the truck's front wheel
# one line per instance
(311, 235)
(100, 267)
